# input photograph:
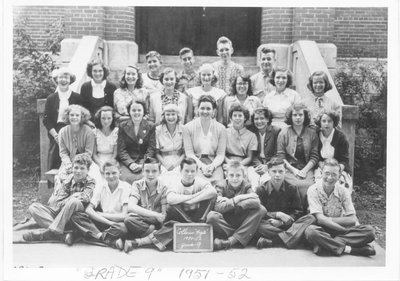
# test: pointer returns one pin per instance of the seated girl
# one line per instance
(267, 139)
(131, 89)
(241, 144)
(207, 81)
(298, 146)
(169, 140)
(333, 144)
(204, 140)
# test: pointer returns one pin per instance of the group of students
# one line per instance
(244, 154)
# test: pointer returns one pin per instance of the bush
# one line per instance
(365, 84)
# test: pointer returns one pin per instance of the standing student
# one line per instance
(131, 88)
(54, 108)
(75, 194)
(261, 81)
(98, 91)
(279, 100)
(225, 69)
(285, 223)
(242, 94)
(337, 231)
(237, 210)
(207, 87)
(102, 220)
(151, 79)
(188, 77)
(169, 95)
(189, 200)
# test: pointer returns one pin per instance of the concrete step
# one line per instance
(203, 59)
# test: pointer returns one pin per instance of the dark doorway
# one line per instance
(168, 29)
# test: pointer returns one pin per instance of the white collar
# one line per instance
(102, 84)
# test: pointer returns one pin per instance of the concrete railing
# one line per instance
(306, 58)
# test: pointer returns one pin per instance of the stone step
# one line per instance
(199, 60)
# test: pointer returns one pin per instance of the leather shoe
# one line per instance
(69, 238)
(365, 251)
(119, 244)
(40, 235)
(220, 244)
(130, 245)
(264, 243)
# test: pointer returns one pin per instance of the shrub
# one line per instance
(365, 84)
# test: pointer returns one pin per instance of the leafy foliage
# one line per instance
(365, 84)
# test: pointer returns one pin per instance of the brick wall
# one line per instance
(120, 23)
(276, 25)
(361, 32)
(315, 24)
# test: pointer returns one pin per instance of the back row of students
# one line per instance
(128, 217)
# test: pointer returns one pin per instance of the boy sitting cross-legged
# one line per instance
(74, 195)
(147, 203)
(102, 221)
(189, 199)
(237, 210)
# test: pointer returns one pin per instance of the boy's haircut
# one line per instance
(331, 162)
(208, 98)
(334, 115)
(83, 159)
(266, 50)
(110, 163)
(224, 40)
(328, 85)
(188, 161)
(237, 107)
(264, 111)
(97, 116)
(275, 161)
(236, 165)
(94, 62)
(151, 160)
(138, 101)
(184, 51)
(298, 106)
(153, 54)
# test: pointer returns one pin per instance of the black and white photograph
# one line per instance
(188, 140)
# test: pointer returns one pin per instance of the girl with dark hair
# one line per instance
(241, 94)
(98, 91)
(282, 98)
(131, 88)
(106, 134)
(298, 146)
(136, 141)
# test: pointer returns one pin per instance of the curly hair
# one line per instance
(60, 71)
(328, 85)
(298, 106)
(334, 115)
(89, 68)
(97, 116)
(210, 67)
(264, 111)
(153, 54)
(236, 107)
(85, 114)
(288, 74)
(83, 159)
(139, 81)
(169, 70)
(245, 78)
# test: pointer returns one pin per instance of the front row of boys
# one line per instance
(128, 217)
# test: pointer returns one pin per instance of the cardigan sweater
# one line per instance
(87, 95)
(341, 146)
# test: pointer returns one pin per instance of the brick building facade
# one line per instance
(355, 31)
